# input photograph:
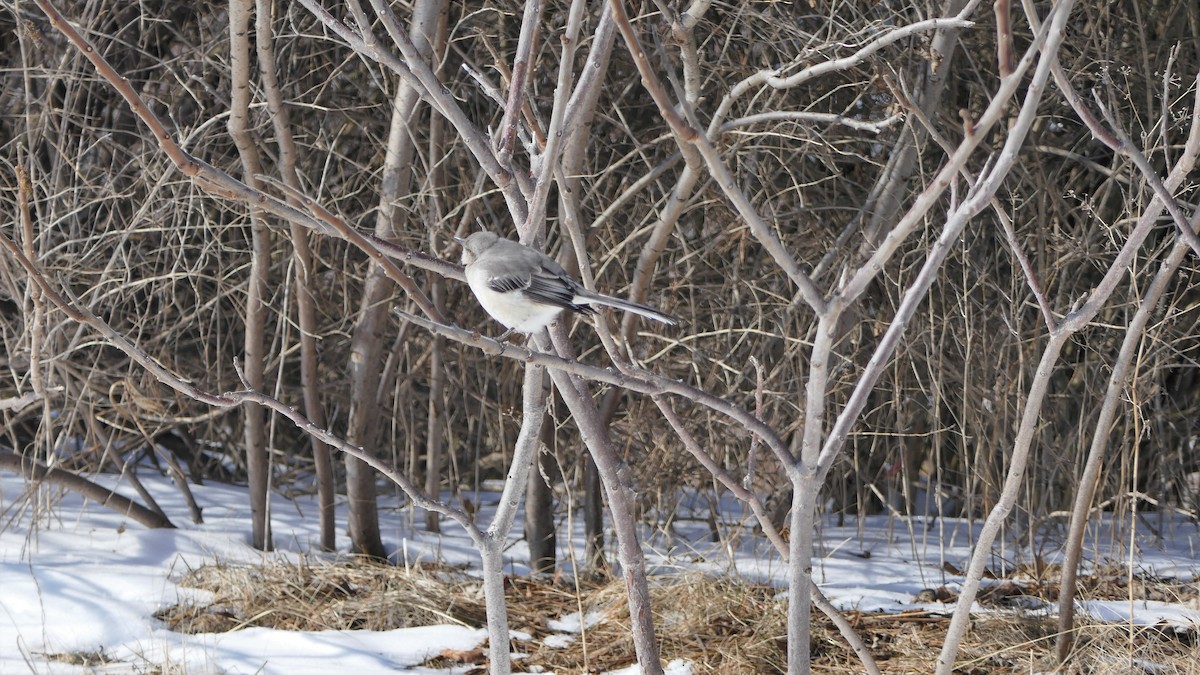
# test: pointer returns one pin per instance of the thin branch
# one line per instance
(1113, 398)
(1091, 468)
(419, 75)
(546, 162)
(768, 527)
(1006, 224)
(996, 109)
(217, 182)
(1004, 37)
(533, 413)
(512, 185)
(520, 79)
(1008, 497)
(690, 134)
(811, 118)
(644, 382)
(231, 399)
(1126, 147)
(618, 485)
(772, 78)
(376, 247)
(732, 484)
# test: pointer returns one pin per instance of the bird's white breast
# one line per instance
(511, 309)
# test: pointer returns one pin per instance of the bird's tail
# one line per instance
(641, 310)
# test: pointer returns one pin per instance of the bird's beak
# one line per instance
(460, 240)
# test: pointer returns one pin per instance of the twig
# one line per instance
(231, 399)
(520, 78)
(1006, 224)
(1004, 37)
(1089, 479)
(772, 78)
(810, 118)
(745, 494)
(209, 178)
(419, 75)
(644, 382)
(375, 248)
(685, 188)
(1126, 147)
(618, 485)
(752, 454)
(866, 273)
(692, 135)
(512, 185)
(546, 163)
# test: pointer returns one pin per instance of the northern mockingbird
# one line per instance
(525, 290)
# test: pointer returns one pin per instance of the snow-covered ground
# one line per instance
(75, 577)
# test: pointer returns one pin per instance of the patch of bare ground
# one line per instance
(721, 625)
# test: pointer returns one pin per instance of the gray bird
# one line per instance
(525, 290)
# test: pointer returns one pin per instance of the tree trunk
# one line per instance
(593, 516)
(433, 428)
(258, 459)
(366, 345)
(539, 507)
(618, 487)
(306, 303)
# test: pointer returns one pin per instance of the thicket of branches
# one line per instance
(831, 165)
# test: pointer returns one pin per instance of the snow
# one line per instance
(571, 623)
(76, 577)
(1142, 613)
(559, 640)
(264, 650)
(676, 667)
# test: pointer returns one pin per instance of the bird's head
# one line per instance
(474, 245)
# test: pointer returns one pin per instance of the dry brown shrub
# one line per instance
(720, 625)
(351, 596)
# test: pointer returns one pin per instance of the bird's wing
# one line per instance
(511, 283)
(545, 286)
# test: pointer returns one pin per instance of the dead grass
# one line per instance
(99, 661)
(83, 658)
(344, 596)
(721, 625)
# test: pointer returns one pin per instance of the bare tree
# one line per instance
(304, 270)
(258, 458)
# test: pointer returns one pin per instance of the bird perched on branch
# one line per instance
(525, 289)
